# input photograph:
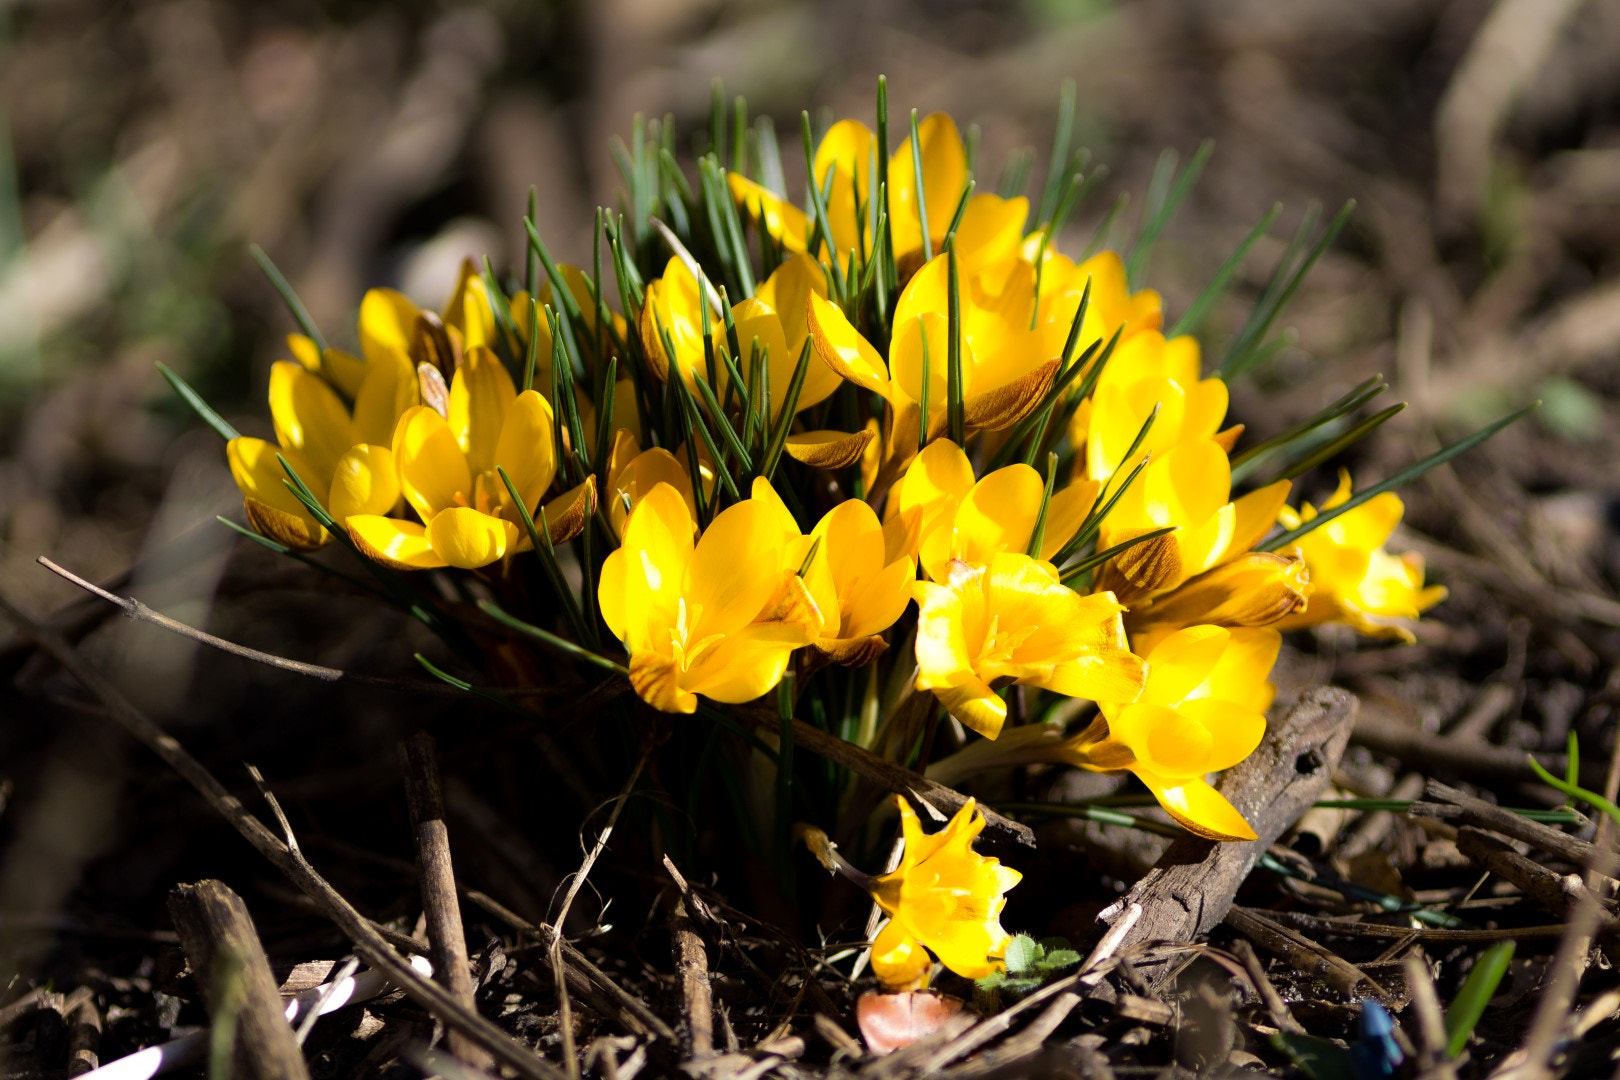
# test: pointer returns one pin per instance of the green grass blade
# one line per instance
(1245, 353)
(561, 644)
(1091, 562)
(1194, 316)
(1405, 476)
(1342, 442)
(1057, 166)
(203, 410)
(1163, 202)
(922, 201)
(296, 306)
(1476, 993)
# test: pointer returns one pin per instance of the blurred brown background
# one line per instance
(144, 146)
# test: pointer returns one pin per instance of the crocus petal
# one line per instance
(842, 348)
(1003, 406)
(388, 389)
(846, 150)
(402, 545)
(256, 470)
(656, 678)
(898, 960)
(1183, 661)
(309, 418)
(364, 482)
(432, 470)
(639, 475)
(1234, 730)
(732, 587)
(944, 169)
(640, 586)
(1255, 513)
(1197, 807)
(975, 704)
(466, 538)
(527, 447)
(828, 449)
(480, 395)
(567, 515)
(781, 220)
(387, 324)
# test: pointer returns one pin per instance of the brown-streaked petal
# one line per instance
(1004, 406)
(828, 449)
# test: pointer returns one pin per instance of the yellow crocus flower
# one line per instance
(1146, 371)
(860, 573)
(1355, 580)
(958, 518)
(447, 471)
(719, 616)
(991, 230)
(944, 898)
(633, 472)
(1202, 709)
(1012, 620)
(342, 457)
(772, 321)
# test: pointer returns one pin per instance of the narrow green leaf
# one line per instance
(790, 405)
(203, 410)
(1365, 391)
(563, 645)
(961, 210)
(1095, 560)
(1340, 443)
(1105, 228)
(955, 406)
(1037, 536)
(1194, 316)
(282, 286)
(891, 272)
(922, 202)
(1285, 281)
(1057, 166)
(546, 552)
(1015, 177)
(1163, 202)
(819, 203)
(1405, 476)
(1476, 993)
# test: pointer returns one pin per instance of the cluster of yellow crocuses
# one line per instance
(1125, 572)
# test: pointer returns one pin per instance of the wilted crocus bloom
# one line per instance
(1014, 621)
(861, 581)
(957, 518)
(448, 473)
(1354, 579)
(718, 617)
(944, 898)
(1202, 709)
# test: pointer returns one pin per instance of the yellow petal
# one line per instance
(466, 538)
(260, 476)
(1002, 407)
(974, 704)
(480, 394)
(640, 475)
(944, 167)
(992, 229)
(788, 291)
(1234, 731)
(1180, 663)
(846, 150)
(309, 419)
(641, 583)
(656, 678)
(388, 389)
(1255, 513)
(527, 448)
(898, 960)
(828, 449)
(730, 589)
(297, 530)
(781, 220)
(432, 470)
(1197, 807)
(364, 482)
(402, 545)
(842, 349)
(567, 515)
(387, 324)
